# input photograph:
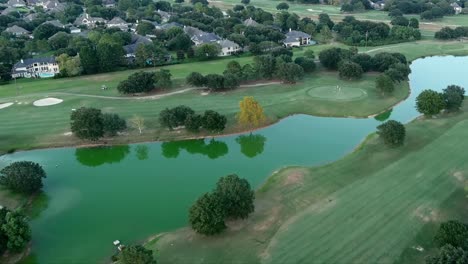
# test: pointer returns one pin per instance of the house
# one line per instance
(17, 31)
(30, 17)
(228, 47)
(89, 21)
(200, 37)
(118, 22)
(16, 3)
(75, 30)
(296, 38)
(55, 23)
(168, 26)
(9, 10)
(108, 3)
(379, 5)
(165, 16)
(457, 8)
(36, 68)
(131, 48)
(52, 6)
(250, 23)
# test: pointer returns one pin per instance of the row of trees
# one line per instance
(186, 117)
(15, 232)
(427, 9)
(232, 198)
(430, 102)
(143, 82)
(92, 124)
(451, 240)
(367, 33)
(449, 33)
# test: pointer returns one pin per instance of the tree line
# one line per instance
(446, 33)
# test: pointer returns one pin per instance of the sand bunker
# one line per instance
(5, 105)
(337, 93)
(47, 101)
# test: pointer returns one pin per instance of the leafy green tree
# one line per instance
(398, 72)
(282, 6)
(142, 54)
(89, 59)
(144, 28)
(113, 123)
(307, 64)
(207, 51)
(265, 66)
(213, 121)
(309, 54)
(17, 230)
(45, 31)
(87, 123)
(290, 72)
(392, 132)
(175, 117)
(193, 123)
(22, 176)
(110, 55)
(206, 216)
(162, 79)
(138, 82)
(233, 67)
(231, 81)
(452, 233)
(453, 97)
(430, 102)
(236, 196)
(180, 55)
(5, 73)
(449, 254)
(414, 22)
(364, 60)
(196, 79)
(245, 2)
(350, 70)
(330, 58)
(214, 81)
(59, 41)
(69, 66)
(384, 84)
(137, 254)
(326, 34)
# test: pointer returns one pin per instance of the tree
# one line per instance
(326, 33)
(400, 21)
(137, 255)
(196, 79)
(17, 230)
(175, 117)
(330, 58)
(245, 2)
(180, 42)
(251, 112)
(384, 84)
(193, 122)
(398, 72)
(452, 233)
(307, 64)
(429, 102)
(138, 82)
(113, 123)
(213, 121)
(22, 176)
(282, 6)
(59, 40)
(206, 216)
(45, 31)
(392, 132)
(265, 66)
(236, 196)
(231, 81)
(89, 59)
(350, 70)
(110, 55)
(214, 81)
(290, 72)
(69, 66)
(449, 254)
(414, 22)
(309, 54)
(364, 60)
(233, 67)
(180, 55)
(87, 123)
(142, 54)
(5, 73)
(144, 28)
(453, 97)
(207, 51)
(162, 79)
(137, 122)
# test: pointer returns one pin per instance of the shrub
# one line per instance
(392, 132)
(430, 102)
(22, 176)
(350, 70)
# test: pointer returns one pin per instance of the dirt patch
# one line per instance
(5, 105)
(426, 213)
(459, 176)
(236, 225)
(295, 176)
(271, 219)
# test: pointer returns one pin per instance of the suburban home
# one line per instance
(131, 48)
(168, 26)
(118, 22)
(228, 47)
(17, 31)
(75, 30)
(36, 68)
(89, 21)
(55, 23)
(200, 37)
(52, 6)
(250, 23)
(296, 38)
(16, 3)
(108, 3)
(457, 8)
(379, 5)
(9, 10)
(165, 16)
(30, 17)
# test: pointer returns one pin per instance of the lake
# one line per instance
(98, 195)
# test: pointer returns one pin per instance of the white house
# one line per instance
(228, 47)
(36, 67)
(457, 8)
(201, 37)
(89, 21)
(118, 22)
(16, 3)
(17, 31)
(296, 38)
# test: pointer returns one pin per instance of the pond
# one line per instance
(95, 196)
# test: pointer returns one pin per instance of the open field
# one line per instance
(372, 206)
(314, 10)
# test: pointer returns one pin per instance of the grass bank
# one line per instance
(374, 205)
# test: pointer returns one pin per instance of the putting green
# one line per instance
(335, 93)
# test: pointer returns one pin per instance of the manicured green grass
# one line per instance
(369, 207)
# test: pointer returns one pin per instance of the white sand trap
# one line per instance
(67, 133)
(205, 93)
(5, 105)
(47, 101)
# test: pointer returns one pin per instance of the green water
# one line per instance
(95, 196)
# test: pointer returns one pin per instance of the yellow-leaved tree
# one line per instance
(251, 112)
